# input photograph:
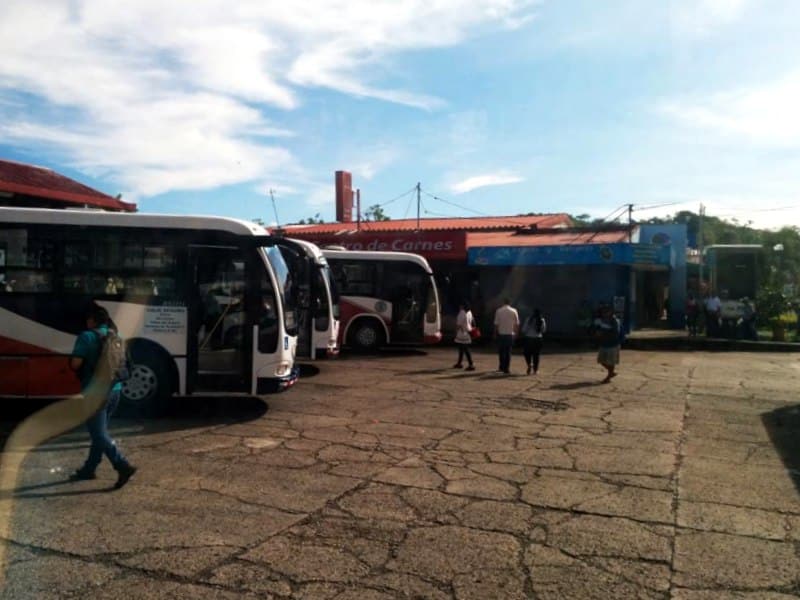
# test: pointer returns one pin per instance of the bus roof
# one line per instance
(99, 218)
(378, 256)
(734, 247)
(310, 248)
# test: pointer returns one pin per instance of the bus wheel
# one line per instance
(151, 383)
(366, 336)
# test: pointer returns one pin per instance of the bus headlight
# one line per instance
(283, 369)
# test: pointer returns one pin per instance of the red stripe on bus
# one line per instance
(30, 370)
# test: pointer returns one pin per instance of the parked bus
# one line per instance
(733, 274)
(385, 298)
(316, 298)
(201, 301)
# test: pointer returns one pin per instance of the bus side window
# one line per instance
(26, 263)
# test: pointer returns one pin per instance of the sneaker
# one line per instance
(457, 366)
(125, 473)
(81, 475)
(529, 370)
(470, 368)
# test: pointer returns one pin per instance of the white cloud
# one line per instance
(701, 17)
(480, 181)
(765, 114)
(172, 95)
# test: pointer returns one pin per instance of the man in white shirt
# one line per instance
(713, 314)
(506, 326)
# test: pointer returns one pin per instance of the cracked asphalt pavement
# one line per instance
(399, 477)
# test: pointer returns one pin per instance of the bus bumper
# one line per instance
(273, 385)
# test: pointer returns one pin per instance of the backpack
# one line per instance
(113, 363)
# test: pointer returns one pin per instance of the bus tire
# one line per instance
(152, 380)
(367, 335)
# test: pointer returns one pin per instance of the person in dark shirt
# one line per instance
(84, 360)
(608, 333)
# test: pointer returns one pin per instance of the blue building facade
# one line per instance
(644, 279)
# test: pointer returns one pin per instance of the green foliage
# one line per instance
(315, 220)
(777, 268)
(775, 308)
(375, 213)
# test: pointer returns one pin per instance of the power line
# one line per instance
(510, 220)
(408, 206)
(456, 205)
(366, 224)
(396, 198)
(654, 206)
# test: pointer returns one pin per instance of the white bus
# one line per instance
(385, 298)
(315, 296)
(201, 301)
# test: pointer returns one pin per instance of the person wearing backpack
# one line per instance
(532, 337)
(96, 361)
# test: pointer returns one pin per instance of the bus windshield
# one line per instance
(285, 288)
(327, 275)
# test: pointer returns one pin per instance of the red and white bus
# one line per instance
(315, 296)
(385, 298)
(201, 301)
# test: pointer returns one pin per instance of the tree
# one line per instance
(375, 213)
(315, 220)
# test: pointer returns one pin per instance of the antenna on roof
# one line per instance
(274, 208)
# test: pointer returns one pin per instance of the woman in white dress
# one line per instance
(464, 324)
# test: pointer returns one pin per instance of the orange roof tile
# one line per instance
(40, 182)
(511, 238)
(437, 224)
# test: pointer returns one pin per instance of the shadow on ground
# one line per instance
(783, 427)
(576, 385)
(184, 413)
(392, 352)
(307, 370)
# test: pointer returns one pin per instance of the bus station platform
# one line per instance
(677, 339)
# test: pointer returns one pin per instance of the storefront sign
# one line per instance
(578, 254)
(433, 245)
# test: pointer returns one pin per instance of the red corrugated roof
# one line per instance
(40, 182)
(448, 224)
(510, 238)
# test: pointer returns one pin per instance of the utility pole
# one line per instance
(419, 201)
(700, 245)
(358, 209)
(274, 207)
(630, 223)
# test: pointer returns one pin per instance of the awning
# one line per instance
(578, 254)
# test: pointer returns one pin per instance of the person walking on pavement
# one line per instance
(608, 332)
(464, 324)
(713, 306)
(692, 313)
(85, 359)
(532, 337)
(506, 326)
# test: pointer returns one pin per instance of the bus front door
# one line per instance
(220, 342)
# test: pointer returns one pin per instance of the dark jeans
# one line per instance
(712, 324)
(101, 441)
(691, 323)
(463, 350)
(504, 344)
(532, 348)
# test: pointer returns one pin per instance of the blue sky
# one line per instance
(497, 106)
